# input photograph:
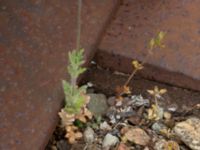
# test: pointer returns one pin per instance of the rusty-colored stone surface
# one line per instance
(137, 21)
(35, 37)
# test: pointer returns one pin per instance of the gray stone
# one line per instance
(89, 135)
(109, 140)
(111, 114)
(98, 104)
(105, 126)
(189, 132)
(112, 100)
(157, 127)
(127, 112)
(138, 100)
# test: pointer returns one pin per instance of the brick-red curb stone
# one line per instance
(35, 37)
(137, 21)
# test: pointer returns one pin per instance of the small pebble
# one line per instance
(89, 84)
(109, 140)
(119, 103)
(138, 100)
(105, 126)
(157, 127)
(172, 108)
(89, 135)
(118, 117)
(111, 101)
(167, 115)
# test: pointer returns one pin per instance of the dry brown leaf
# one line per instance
(72, 134)
(84, 114)
(156, 92)
(154, 113)
(82, 118)
(87, 113)
(66, 118)
(151, 92)
(137, 65)
(162, 91)
(120, 90)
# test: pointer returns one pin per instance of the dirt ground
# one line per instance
(106, 81)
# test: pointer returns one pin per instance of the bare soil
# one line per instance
(106, 81)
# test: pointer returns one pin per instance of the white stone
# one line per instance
(109, 140)
(89, 135)
(105, 126)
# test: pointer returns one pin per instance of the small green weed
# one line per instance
(74, 114)
(74, 95)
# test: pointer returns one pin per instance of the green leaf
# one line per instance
(67, 87)
(76, 59)
(79, 124)
(69, 110)
(74, 95)
(157, 41)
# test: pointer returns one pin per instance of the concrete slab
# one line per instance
(137, 21)
(35, 37)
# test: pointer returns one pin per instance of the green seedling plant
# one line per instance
(76, 98)
(74, 95)
(75, 114)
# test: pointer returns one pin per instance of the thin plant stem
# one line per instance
(150, 52)
(135, 70)
(78, 37)
(73, 81)
(130, 77)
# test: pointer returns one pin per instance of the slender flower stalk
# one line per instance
(153, 44)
